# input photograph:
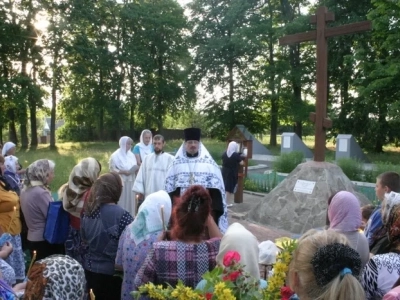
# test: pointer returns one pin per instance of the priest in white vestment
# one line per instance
(153, 171)
(193, 165)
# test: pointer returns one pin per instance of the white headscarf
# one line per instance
(122, 158)
(11, 162)
(232, 147)
(7, 146)
(143, 148)
(148, 219)
(238, 238)
(391, 199)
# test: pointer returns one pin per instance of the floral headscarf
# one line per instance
(393, 227)
(38, 172)
(11, 162)
(81, 179)
(57, 277)
(149, 218)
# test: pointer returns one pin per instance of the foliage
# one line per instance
(287, 162)
(352, 168)
(228, 282)
(278, 279)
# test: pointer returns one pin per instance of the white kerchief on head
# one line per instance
(231, 148)
(238, 238)
(148, 219)
(11, 162)
(391, 199)
(344, 212)
(7, 146)
(143, 148)
(123, 159)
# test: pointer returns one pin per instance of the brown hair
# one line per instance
(367, 210)
(158, 137)
(391, 180)
(328, 222)
(190, 213)
(2, 159)
(106, 189)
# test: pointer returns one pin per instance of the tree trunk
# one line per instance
(132, 107)
(32, 113)
(24, 135)
(274, 97)
(53, 114)
(231, 86)
(160, 94)
(12, 131)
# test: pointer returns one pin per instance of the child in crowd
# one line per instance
(366, 212)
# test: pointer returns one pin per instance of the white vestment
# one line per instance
(152, 173)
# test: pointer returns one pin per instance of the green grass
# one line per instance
(69, 154)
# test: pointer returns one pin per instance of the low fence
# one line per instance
(264, 183)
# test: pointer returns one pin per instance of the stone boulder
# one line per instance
(298, 211)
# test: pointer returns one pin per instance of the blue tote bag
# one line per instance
(57, 224)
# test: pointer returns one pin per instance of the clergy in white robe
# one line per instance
(153, 171)
(193, 165)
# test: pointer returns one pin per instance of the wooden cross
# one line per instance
(321, 34)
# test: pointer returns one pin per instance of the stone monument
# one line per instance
(347, 147)
(299, 202)
(291, 142)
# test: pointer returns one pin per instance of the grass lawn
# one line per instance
(68, 155)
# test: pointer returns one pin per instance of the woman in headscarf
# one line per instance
(138, 237)
(102, 224)
(57, 277)
(123, 162)
(230, 168)
(383, 270)
(73, 195)
(186, 256)
(344, 213)
(10, 222)
(35, 199)
(9, 148)
(145, 146)
(238, 238)
(11, 175)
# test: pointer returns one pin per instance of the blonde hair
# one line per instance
(341, 287)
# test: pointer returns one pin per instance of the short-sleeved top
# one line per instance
(131, 257)
(136, 149)
(170, 261)
(101, 231)
(380, 274)
(35, 204)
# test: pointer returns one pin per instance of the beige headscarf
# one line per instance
(38, 173)
(238, 238)
(81, 179)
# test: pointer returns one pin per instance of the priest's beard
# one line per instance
(158, 151)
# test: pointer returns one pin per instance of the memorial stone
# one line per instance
(291, 142)
(347, 147)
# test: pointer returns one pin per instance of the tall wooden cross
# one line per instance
(321, 34)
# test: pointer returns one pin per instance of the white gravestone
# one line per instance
(291, 142)
(347, 147)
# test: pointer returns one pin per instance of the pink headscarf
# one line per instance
(344, 212)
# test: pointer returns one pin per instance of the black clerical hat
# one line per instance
(192, 134)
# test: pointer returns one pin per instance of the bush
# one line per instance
(287, 162)
(352, 168)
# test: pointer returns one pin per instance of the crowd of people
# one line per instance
(163, 219)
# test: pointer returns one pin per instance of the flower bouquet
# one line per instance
(228, 282)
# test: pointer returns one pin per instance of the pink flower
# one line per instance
(230, 258)
(286, 293)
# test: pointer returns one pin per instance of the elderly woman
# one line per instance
(56, 277)
(344, 215)
(11, 175)
(73, 195)
(102, 224)
(138, 237)
(35, 199)
(383, 270)
(325, 267)
(10, 222)
(144, 147)
(123, 162)
(187, 256)
(238, 238)
(230, 168)
(9, 149)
